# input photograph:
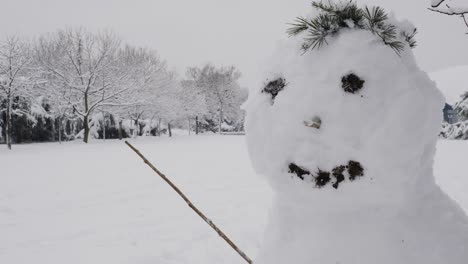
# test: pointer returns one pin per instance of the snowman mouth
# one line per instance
(338, 174)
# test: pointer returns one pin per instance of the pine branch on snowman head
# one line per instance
(334, 17)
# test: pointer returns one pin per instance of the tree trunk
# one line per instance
(86, 129)
(86, 119)
(220, 120)
(196, 125)
(8, 124)
(169, 129)
(158, 129)
(189, 128)
(104, 129)
(120, 129)
(137, 129)
(60, 130)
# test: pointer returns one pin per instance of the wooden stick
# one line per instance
(191, 205)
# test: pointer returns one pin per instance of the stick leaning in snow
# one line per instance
(191, 205)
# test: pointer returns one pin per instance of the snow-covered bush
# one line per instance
(455, 131)
(351, 166)
(461, 107)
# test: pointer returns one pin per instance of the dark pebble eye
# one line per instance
(274, 87)
(351, 83)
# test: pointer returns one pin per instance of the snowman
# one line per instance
(344, 126)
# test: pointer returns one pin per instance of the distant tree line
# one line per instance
(77, 84)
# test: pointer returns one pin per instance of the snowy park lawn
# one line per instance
(99, 203)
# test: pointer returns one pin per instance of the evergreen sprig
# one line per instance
(376, 19)
(334, 17)
(343, 14)
(410, 38)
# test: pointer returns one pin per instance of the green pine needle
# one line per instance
(335, 17)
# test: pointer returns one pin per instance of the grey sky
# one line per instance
(239, 32)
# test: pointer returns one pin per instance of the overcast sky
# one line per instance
(238, 32)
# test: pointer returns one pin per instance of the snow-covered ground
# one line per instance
(98, 203)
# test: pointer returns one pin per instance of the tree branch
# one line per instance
(191, 205)
(437, 4)
(450, 11)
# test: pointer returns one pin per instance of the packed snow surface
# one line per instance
(99, 203)
(394, 213)
(74, 203)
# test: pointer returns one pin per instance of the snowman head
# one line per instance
(346, 111)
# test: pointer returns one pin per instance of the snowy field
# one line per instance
(99, 203)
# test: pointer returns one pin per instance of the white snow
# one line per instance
(114, 210)
(99, 203)
(452, 82)
(395, 213)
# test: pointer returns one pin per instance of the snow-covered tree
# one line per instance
(451, 8)
(221, 90)
(17, 81)
(151, 84)
(193, 103)
(87, 66)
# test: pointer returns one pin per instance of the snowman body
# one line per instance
(305, 131)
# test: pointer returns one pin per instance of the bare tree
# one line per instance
(447, 7)
(17, 79)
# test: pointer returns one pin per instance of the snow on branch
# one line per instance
(450, 8)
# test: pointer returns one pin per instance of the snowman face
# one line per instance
(351, 113)
(351, 83)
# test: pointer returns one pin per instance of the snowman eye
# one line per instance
(351, 83)
(274, 87)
